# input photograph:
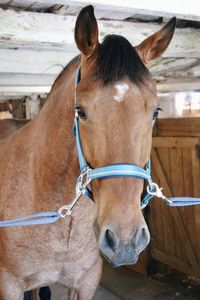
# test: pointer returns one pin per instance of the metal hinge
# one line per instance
(197, 147)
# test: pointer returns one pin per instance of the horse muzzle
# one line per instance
(117, 252)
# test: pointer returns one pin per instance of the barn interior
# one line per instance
(37, 42)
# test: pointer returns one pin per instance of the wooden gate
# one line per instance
(175, 232)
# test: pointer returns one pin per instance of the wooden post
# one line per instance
(32, 106)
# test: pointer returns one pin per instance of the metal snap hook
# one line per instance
(82, 183)
(65, 210)
(154, 190)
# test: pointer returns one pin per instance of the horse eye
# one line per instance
(156, 112)
(81, 112)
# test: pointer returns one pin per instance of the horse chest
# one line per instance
(68, 250)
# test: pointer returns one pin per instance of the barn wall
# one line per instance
(175, 232)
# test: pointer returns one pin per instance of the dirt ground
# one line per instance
(124, 284)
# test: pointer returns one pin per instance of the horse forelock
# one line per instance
(117, 58)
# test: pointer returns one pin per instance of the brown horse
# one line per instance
(8, 126)
(116, 103)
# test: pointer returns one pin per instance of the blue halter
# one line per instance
(117, 170)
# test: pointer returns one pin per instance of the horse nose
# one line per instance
(116, 251)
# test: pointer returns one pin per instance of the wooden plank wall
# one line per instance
(175, 232)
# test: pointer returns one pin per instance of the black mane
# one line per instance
(116, 59)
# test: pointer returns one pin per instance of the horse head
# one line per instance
(117, 104)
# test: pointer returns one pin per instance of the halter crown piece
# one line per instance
(88, 174)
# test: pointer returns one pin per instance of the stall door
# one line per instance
(175, 232)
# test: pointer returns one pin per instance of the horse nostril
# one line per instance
(111, 239)
(141, 238)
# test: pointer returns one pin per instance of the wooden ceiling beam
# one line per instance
(33, 62)
(52, 32)
(173, 65)
(179, 86)
(17, 92)
(189, 10)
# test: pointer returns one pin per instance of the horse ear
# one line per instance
(155, 44)
(86, 31)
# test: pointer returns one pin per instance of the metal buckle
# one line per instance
(76, 115)
(143, 204)
(83, 181)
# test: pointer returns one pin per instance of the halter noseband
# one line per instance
(117, 170)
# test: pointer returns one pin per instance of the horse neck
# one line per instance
(55, 155)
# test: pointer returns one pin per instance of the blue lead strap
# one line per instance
(36, 219)
(182, 201)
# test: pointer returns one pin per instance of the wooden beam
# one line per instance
(174, 142)
(189, 10)
(55, 32)
(23, 79)
(34, 62)
(32, 106)
(195, 71)
(178, 86)
(28, 67)
(172, 65)
(13, 91)
(6, 90)
(38, 79)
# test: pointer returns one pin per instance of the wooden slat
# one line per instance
(175, 213)
(164, 213)
(26, 90)
(20, 79)
(189, 212)
(175, 142)
(196, 188)
(177, 124)
(176, 263)
(177, 185)
(156, 225)
(178, 127)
